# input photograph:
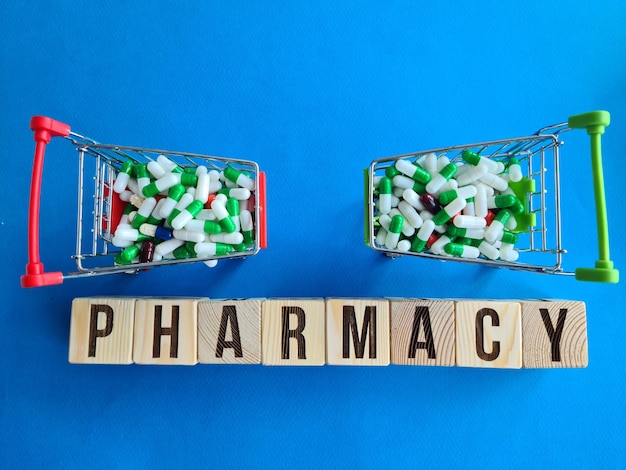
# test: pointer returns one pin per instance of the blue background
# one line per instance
(312, 91)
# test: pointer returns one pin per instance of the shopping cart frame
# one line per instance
(108, 207)
(526, 148)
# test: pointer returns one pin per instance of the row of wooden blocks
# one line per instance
(336, 331)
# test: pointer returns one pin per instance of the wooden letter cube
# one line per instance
(488, 334)
(101, 331)
(357, 332)
(229, 331)
(555, 334)
(293, 332)
(166, 331)
(422, 332)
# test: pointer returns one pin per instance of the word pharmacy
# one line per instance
(335, 331)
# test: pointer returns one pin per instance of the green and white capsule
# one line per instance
(473, 233)
(438, 247)
(221, 213)
(440, 178)
(123, 176)
(168, 165)
(404, 182)
(494, 181)
(184, 201)
(165, 248)
(144, 212)
(206, 226)
(161, 184)
(189, 236)
(497, 226)
(207, 249)
(449, 211)
(126, 232)
(487, 249)
(233, 238)
(461, 251)
(239, 178)
(501, 201)
(174, 195)
(508, 252)
(232, 206)
(187, 214)
(515, 170)
(464, 192)
(247, 227)
(422, 236)
(384, 195)
(411, 217)
(393, 234)
(413, 171)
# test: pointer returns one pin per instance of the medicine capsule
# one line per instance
(474, 159)
(508, 237)
(440, 178)
(187, 214)
(473, 173)
(430, 203)
(515, 170)
(497, 226)
(168, 165)
(156, 170)
(413, 199)
(449, 211)
(407, 229)
(422, 236)
(247, 227)
(429, 162)
(126, 232)
(461, 251)
(438, 247)
(464, 192)
(473, 233)
(189, 236)
(469, 222)
(412, 171)
(202, 186)
(144, 211)
(233, 238)
(166, 247)
(384, 197)
(146, 254)
(391, 171)
(508, 253)
(239, 178)
(161, 184)
(232, 206)
(487, 249)
(404, 245)
(480, 202)
(222, 215)
(156, 231)
(206, 226)
(501, 201)
(494, 181)
(404, 182)
(184, 201)
(393, 234)
(123, 176)
(470, 209)
(410, 215)
(207, 249)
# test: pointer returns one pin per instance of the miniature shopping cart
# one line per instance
(537, 227)
(98, 203)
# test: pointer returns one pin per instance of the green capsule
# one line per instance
(391, 171)
(509, 237)
(127, 167)
(182, 252)
(232, 206)
(464, 241)
(504, 200)
(418, 245)
(187, 179)
(454, 231)
(471, 157)
(240, 247)
(385, 186)
(121, 261)
(130, 253)
(142, 170)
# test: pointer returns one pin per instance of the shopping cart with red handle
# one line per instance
(97, 251)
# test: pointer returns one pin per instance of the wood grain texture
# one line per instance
(101, 330)
(358, 332)
(554, 334)
(293, 332)
(166, 331)
(229, 331)
(488, 334)
(422, 332)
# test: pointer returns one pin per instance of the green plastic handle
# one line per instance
(595, 122)
(367, 212)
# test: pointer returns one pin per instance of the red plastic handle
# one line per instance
(262, 200)
(44, 129)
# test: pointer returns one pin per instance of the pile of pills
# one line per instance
(176, 212)
(464, 209)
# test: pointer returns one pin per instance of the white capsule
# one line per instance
(241, 194)
(126, 232)
(156, 170)
(488, 250)
(407, 229)
(449, 185)
(121, 181)
(146, 207)
(430, 163)
(470, 175)
(508, 253)
(426, 230)
(202, 187)
(480, 202)
(167, 164)
(402, 181)
(205, 249)
(126, 195)
(167, 246)
(398, 191)
(404, 245)
(410, 215)
(442, 161)
(384, 203)
(245, 219)
(211, 263)
(469, 222)
(413, 199)
(515, 172)
(381, 236)
(206, 214)
(189, 236)
(511, 224)
(121, 242)
(425, 215)
(233, 238)
(437, 247)
(494, 181)
(493, 231)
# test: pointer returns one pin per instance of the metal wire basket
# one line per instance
(100, 209)
(537, 220)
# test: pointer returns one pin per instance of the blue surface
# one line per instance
(313, 92)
